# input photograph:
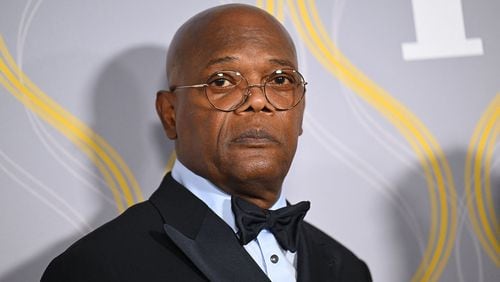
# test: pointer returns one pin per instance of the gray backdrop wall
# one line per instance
(400, 131)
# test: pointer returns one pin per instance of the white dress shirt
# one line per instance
(277, 263)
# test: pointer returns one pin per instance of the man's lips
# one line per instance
(255, 136)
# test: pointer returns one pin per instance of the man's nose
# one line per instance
(256, 100)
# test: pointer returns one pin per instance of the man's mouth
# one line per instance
(256, 137)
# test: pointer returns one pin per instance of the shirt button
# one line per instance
(274, 259)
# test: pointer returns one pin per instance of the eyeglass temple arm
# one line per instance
(189, 86)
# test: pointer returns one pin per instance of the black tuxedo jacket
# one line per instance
(174, 236)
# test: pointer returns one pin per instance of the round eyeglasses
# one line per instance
(228, 90)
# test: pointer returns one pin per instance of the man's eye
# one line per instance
(281, 80)
(221, 82)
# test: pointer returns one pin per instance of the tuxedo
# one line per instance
(174, 236)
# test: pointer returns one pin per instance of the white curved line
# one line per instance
(407, 214)
(317, 126)
(457, 254)
(302, 50)
(360, 112)
(83, 228)
(20, 30)
(370, 124)
(337, 15)
(367, 172)
(496, 161)
(495, 164)
(24, 26)
(23, 30)
(44, 137)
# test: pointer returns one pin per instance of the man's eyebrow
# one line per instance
(281, 62)
(221, 60)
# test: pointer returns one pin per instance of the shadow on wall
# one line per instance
(468, 261)
(124, 114)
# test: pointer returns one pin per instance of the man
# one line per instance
(234, 108)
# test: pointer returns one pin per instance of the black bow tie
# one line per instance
(283, 223)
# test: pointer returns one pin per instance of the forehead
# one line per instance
(246, 46)
(251, 40)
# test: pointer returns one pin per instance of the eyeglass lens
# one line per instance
(227, 90)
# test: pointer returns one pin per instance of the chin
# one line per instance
(258, 170)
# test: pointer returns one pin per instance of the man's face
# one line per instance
(252, 145)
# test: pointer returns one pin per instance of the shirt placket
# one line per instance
(276, 263)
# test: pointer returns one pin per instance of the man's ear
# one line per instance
(165, 107)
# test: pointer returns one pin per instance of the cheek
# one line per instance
(205, 130)
(220, 128)
(291, 128)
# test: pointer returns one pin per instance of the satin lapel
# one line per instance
(313, 264)
(203, 237)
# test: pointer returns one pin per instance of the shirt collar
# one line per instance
(215, 198)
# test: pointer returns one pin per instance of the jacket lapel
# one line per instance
(203, 237)
(313, 263)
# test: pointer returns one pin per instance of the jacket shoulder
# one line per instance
(92, 257)
(348, 266)
(131, 247)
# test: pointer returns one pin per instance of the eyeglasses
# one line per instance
(228, 90)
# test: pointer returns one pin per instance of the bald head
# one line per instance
(221, 27)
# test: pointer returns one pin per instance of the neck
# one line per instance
(260, 193)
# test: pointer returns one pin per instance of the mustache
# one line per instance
(255, 134)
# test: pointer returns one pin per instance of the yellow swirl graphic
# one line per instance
(437, 170)
(477, 166)
(115, 171)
